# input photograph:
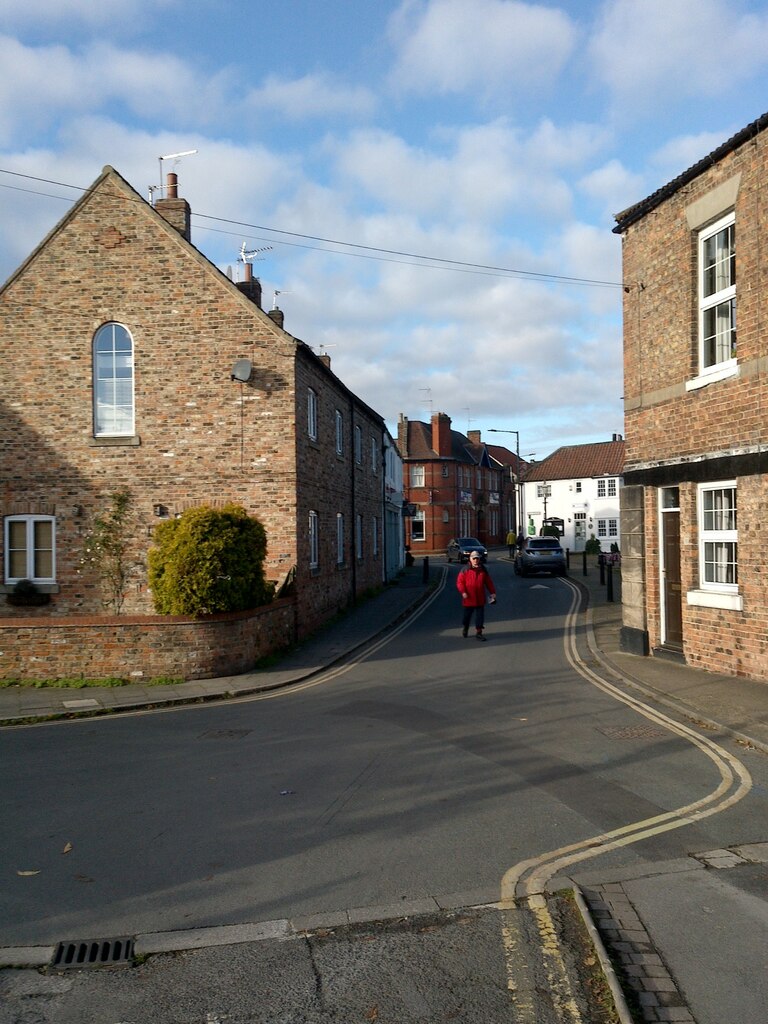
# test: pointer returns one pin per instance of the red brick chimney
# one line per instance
(176, 211)
(441, 434)
(251, 286)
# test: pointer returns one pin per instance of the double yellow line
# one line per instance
(523, 885)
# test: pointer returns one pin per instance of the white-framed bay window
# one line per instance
(717, 295)
(29, 543)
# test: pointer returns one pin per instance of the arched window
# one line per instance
(113, 405)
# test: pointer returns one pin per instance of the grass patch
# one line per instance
(81, 683)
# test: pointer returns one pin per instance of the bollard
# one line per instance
(567, 558)
(584, 558)
(601, 563)
(609, 588)
(425, 570)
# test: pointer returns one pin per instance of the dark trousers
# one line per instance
(479, 611)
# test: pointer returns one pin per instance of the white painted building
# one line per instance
(579, 486)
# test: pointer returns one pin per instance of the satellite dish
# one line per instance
(242, 370)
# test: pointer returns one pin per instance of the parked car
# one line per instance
(541, 554)
(462, 547)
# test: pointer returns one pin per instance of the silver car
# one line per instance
(541, 554)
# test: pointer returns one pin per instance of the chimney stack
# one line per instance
(277, 316)
(474, 436)
(176, 211)
(251, 286)
(441, 434)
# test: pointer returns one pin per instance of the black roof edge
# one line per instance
(634, 213)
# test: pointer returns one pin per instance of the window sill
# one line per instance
(111, 442)
(716, 599)
(721, 372)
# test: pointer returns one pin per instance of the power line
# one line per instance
(366, 251)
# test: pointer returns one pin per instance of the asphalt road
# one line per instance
(435, 769)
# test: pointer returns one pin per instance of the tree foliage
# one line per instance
(209, 560)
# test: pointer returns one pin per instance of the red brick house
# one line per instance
(695, 582)
(129, 360)
(456, 487)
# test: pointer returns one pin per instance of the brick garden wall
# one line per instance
(143, 647)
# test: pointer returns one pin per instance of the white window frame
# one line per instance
(314, 539)
(339, 432)
(420, 535)
(417, 476)
(601, 488)
(31, 549)
(717, 527)
(612, 488)
(339, 538)
(114, 400)
(602, 528)
(312, 413)
(724, 364)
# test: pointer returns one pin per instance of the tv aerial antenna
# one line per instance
(169, 156)
(247, 255)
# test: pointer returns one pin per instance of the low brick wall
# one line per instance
(144, 646)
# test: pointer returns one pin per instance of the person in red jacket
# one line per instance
(472, 584)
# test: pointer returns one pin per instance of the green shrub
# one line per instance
(209, 560)
(592, 547)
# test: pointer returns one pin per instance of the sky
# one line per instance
(434, 182)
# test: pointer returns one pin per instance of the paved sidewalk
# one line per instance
(336, 640)
(731, 704)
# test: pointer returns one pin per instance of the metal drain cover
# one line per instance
(93, 953)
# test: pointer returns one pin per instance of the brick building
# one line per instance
(457, 488)
(129, 360)
(695, 254)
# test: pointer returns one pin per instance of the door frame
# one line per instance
(666, 510)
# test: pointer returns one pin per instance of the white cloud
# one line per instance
(311, 96)
(40, 85)
(613, 187)
(482, 172)
(657, 50)
(679, 154)
(453, 46)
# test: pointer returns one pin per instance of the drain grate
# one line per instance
(634, 732)
(93, 953)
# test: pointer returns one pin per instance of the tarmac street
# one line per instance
(656, 774)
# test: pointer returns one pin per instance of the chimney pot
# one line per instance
(441, 434)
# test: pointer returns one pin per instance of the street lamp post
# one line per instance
(518, 486)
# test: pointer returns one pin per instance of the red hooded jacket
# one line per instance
(474, 583)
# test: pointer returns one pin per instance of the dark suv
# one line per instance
(541, 554)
